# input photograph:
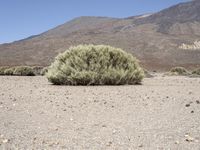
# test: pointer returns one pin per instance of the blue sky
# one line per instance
(22, 18)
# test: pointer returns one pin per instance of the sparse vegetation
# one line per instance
(9, 71)
(194, 46)
(37, 70)
(196, 72)
(95, 65)
(44, 71)
(147, 73)
(2, 69)
(23, 71)
(179, 71)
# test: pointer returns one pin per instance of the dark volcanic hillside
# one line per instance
(155, 39)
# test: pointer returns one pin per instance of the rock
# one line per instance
(177, 142)
(140, 145)
(197, 101)
(5, 140)
(187, 105)
(190, 93)
(189, 138)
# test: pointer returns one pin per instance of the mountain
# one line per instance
(155, 39)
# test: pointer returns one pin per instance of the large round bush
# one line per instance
(95, 65)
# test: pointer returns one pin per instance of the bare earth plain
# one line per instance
(163, 113)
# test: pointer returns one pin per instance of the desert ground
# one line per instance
(161, 114)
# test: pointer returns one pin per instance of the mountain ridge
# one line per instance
(153, 38)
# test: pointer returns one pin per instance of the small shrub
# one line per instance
(9, 71)
(95, 65)
(23, 71)
(147, 74)
(44, 71)
(196, 72)
(179, 71)
(37, 70)
(2, 69)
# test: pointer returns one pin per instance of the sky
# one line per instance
(23, 18)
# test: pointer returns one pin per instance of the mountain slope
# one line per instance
(153, 38)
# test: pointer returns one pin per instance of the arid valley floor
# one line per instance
(162, 113)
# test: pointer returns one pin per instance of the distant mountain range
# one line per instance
(155, 39)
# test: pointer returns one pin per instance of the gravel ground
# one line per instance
(161, 114)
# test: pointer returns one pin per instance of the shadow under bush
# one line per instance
(95, 65)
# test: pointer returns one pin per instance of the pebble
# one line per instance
(187, 105)
(140, 145)
(177, 142)
(5, 141)
(189, 138)
(190, 93)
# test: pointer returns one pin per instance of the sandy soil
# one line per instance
(163, 113)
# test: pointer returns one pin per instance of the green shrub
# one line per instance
(2, 69)
(179, 71)
(37, 69)
(95, 65)
(9, 71)
(196, 72)
(23, 71)
(44, 71)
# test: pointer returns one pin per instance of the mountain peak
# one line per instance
(180, 13)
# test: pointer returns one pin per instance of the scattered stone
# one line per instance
(187, 105)
(5, 140)
(177, 142)
(114, 131)
(95, 101)
(190, 93)
(109, 143)
(104, 126)
(140, 145)
(189, 138)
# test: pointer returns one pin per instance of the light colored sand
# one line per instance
(37, 115)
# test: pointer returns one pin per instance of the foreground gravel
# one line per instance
(163, 113)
